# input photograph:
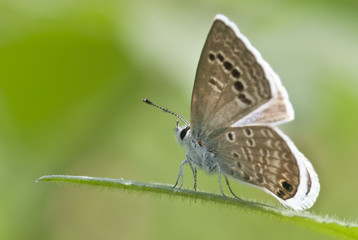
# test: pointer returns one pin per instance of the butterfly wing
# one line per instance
(277, 110)
(234, 84)
(265, 157)
(236, 99)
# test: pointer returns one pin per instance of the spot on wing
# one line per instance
(227, 65)
(235, 73)
(248, 132)
(211, 57)
(230, 136)
(238, 86)
(280, 193)
(287, 186)
(250, 142)
(242, 97)
(220, 57)
(216, 84)
(235, 154)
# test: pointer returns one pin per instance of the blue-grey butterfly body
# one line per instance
(237, 99)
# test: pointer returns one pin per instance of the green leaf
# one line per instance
(327, 225)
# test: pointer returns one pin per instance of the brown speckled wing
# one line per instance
(258, 155)
(236, 100)
(230, 82)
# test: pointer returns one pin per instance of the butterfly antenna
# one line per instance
(167, 110)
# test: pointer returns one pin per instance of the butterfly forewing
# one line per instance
(276, 111)
(230, 82)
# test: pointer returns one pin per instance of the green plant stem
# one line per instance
(327, 225)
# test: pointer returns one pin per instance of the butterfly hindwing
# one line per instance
(263, 156)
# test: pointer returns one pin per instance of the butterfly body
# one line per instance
(196, 151)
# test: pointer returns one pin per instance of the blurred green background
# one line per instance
(72, 75)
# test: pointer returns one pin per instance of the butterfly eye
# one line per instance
(183, 132)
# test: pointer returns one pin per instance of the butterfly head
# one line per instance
(182, 133)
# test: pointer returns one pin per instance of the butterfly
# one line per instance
(236, 102)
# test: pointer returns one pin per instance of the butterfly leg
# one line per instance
(227, 183)
(180, 174)
(193, 169)
(221, 186)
